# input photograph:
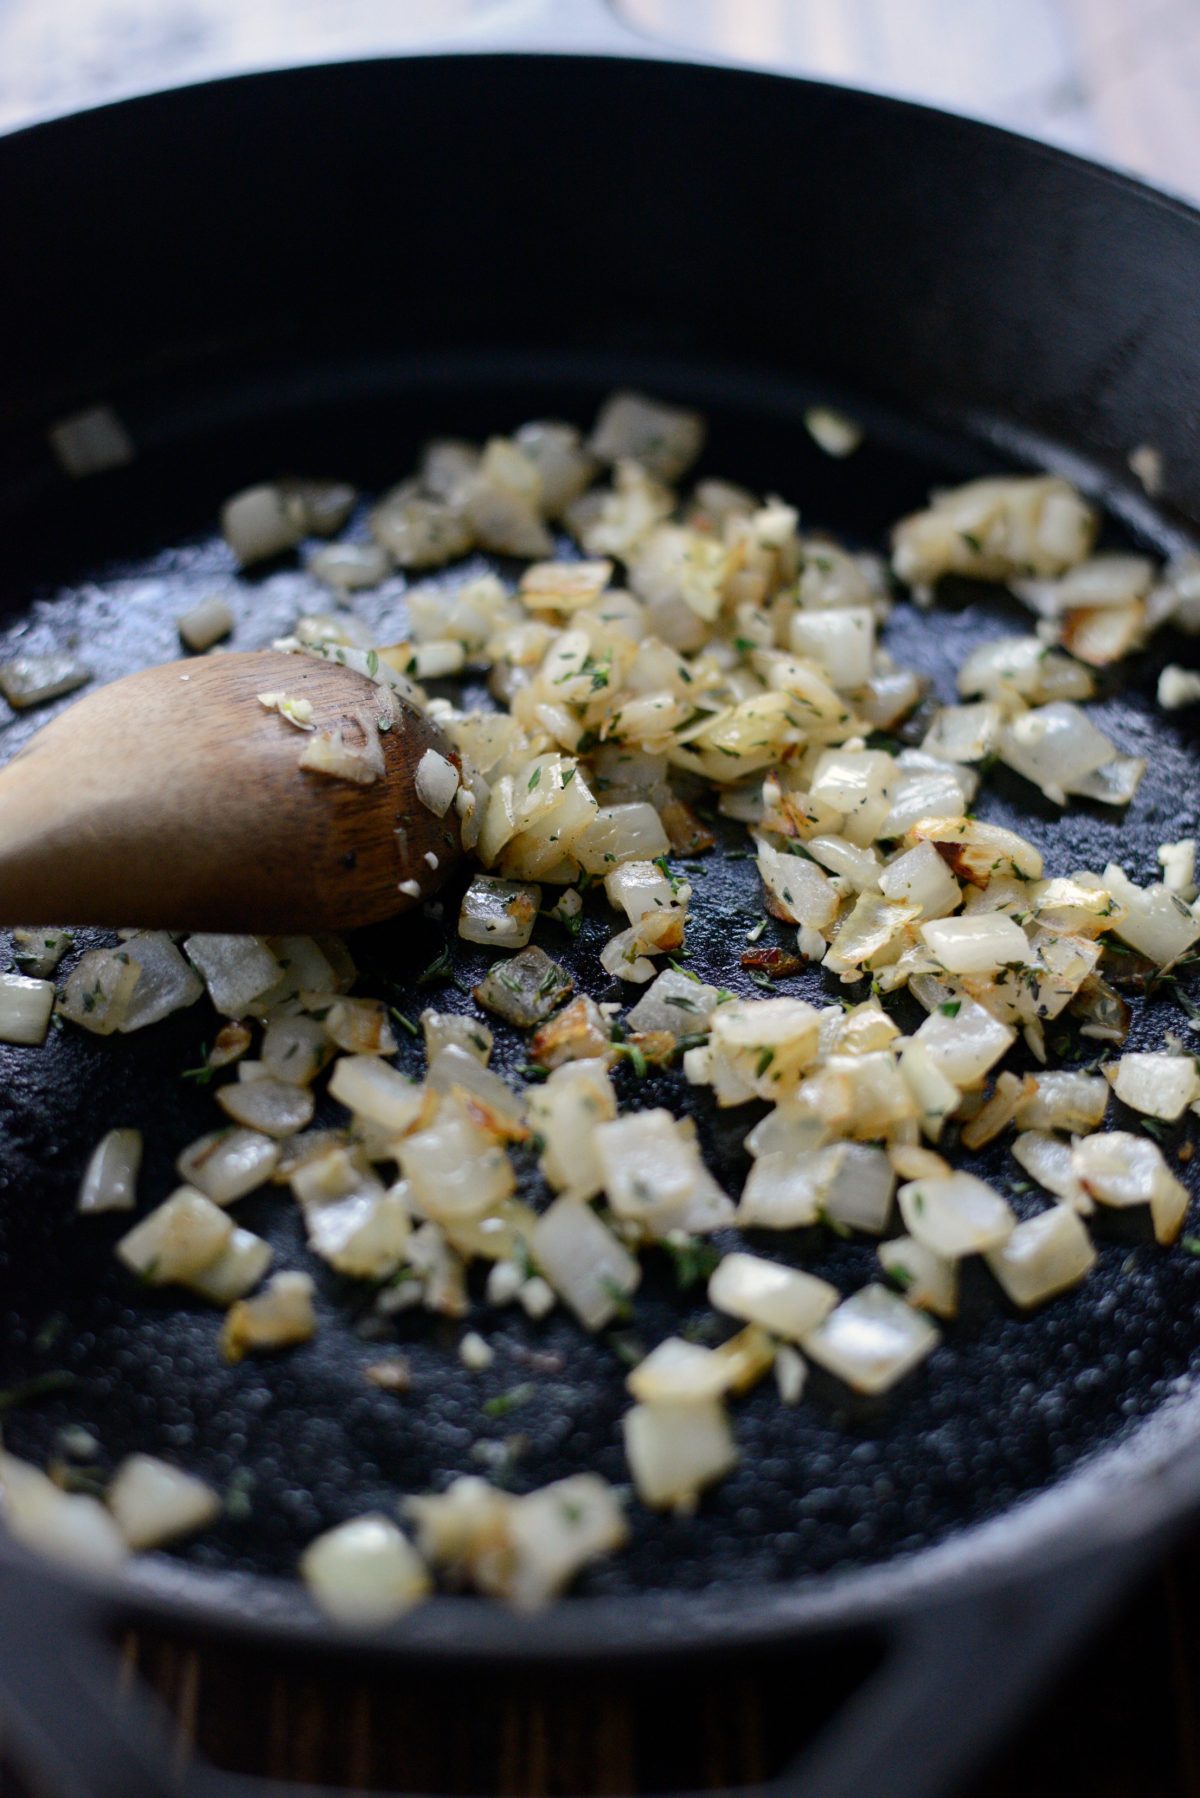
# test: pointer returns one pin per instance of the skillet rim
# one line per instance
(1066, 1522)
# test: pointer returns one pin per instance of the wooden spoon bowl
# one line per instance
(174, 799)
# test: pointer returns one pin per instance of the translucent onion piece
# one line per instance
(832, 431)
(872, 1340)
(654, 1177)
(1157, 923)
(364, 1573)
(235, 969)
(349, 566)
(1118, 1168)
(441, 1028)
(110, 1182)
(181, 1237)
(1158, 1085)
(976, 851)
(65, 1526)
(96, 992)
(679, 1372)
(454, 1168)
(154, 1503)
(797, 890)
(525, 990)
(783, 1300)
(580, 1032)
(955, 1214)
(665, 439)
(38, 952)
(278, 1317)
(25, 1008)
(978, 944)
(565, 1112)
(31, 680)
(1064, 1099)
(964, 1044)
(235, 1272)
(589, 1269)
(373, 1089)
(675, 1451)
(1056, 747)
(260, 522)
(556, 1531)
(928, 1281)
(436, 782)
(676, 1003)
(227, 1164)
(455, 1068)
(294, 1049)
(1043, 1256)
(620, 833)
(270, 1106)
(165, 982)
(1047, 1159)
(205, 624)
(499, 913)
(920, 877)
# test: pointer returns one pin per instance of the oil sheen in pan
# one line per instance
(1004, 1407)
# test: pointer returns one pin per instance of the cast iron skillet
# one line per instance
(315, 270)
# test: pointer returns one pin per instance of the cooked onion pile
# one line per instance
(697, 650)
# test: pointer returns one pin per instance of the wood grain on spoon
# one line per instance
(173, 799)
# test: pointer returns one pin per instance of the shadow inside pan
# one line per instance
(1004, 1408)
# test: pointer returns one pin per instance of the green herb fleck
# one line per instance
(439, 969)
(694, 1260)
(42, 1385)
(512, 1400)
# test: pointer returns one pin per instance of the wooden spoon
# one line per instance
(173, 799)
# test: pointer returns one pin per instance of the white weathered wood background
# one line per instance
(1115, 79)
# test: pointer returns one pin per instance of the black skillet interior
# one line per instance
(1008, 1404)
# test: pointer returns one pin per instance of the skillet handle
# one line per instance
(954, 1675)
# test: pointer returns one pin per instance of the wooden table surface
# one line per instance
(1115, 79)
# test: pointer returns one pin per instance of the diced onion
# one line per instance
(654, 1177)
(270, 1106)
(955, 1214)
(154, 1503)
(165, 982)
(436, 782)
(499, 913)
(31, 680)
(784, 1300)
(71, 1527)
(110, 1181)
(928, 1281)
(205, 624)
(1158, 1085)
(871, 1340)
(181, 1237)
(238, 1268)
(365, 1573)
(278, 1317)
(676, 1450)
(228, 1164)
(25, 1008)
(679, 1372)
(235, 969)
(1043, 1256)
(589, 1269)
